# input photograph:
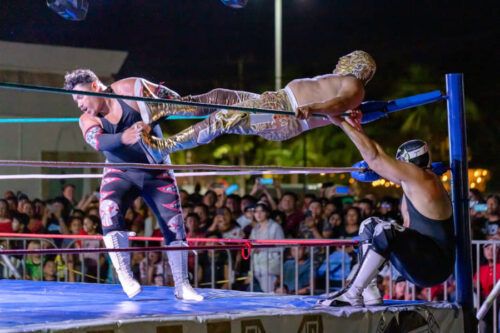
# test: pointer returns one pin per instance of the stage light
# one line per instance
(73, 10)
(235, 3)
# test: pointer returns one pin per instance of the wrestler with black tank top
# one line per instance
(423, 249)
(115, 128)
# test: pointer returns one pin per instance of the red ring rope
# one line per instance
(244, 245)
(305, 242)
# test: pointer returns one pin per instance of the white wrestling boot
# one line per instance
(353, 295)
(121, 261)
(178, 261)
(371, 294)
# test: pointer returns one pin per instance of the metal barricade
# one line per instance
(231, 275)
(85, 273)
(485, 276)
(9, 266)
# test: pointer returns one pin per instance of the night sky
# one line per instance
(196, 45)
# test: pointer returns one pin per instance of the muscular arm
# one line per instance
(378, 160)
(338, 104)
(94, 135)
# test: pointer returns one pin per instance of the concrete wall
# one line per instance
(29, 142)
(45, 65)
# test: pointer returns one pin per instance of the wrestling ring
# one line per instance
(84, 307)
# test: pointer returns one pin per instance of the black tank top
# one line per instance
(126, 154)
(439, 230)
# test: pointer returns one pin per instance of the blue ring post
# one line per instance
(459, 195)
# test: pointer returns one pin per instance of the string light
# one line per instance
(477, 179)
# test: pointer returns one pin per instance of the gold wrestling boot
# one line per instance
(153, 112)
(162, 147)
(217, 124)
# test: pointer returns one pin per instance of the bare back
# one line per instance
(127, 87)
(428, 196)
(327, 87)
(421, 186)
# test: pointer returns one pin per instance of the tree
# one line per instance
(429, 122)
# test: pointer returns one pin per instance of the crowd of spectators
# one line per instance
(264, 213)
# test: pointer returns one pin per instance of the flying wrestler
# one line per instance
(113, 127)
(329, 94)
(423, 248)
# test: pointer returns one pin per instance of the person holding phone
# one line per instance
(423, 248)
(314, 224)
(265, 196)
(492, 212)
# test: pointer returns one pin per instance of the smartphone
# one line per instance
(265, 181)
(480, 208)
(342, 190)
(232, 188)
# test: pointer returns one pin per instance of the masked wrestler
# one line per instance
(423, 248)
(113, 127)
(329, 94)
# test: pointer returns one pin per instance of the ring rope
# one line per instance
(291, 242)
(124, 249)
(246, 250)
(75, 120)
(189, 167)
(177, 174)
(53, 90)
(246, 245)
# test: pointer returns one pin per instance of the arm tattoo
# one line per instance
(91, 136)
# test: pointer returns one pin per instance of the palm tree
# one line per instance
(428, 122)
